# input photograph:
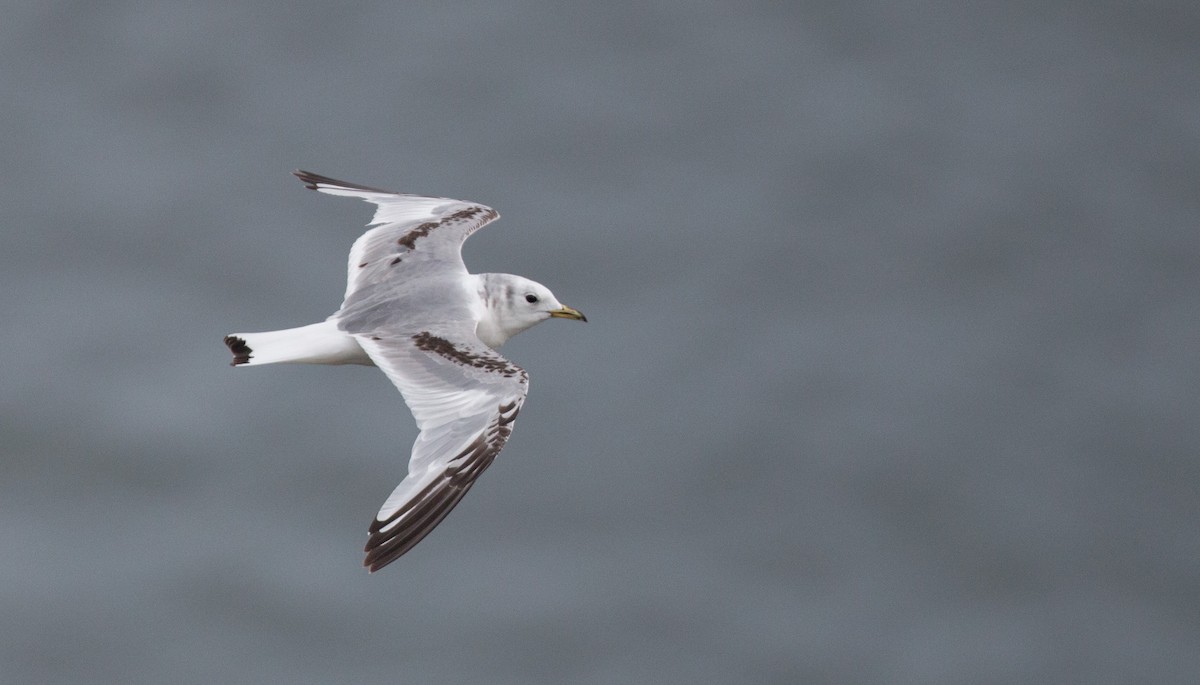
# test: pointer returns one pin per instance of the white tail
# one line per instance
(318, 343)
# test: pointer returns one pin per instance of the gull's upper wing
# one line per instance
(410, 234)
(464, 397)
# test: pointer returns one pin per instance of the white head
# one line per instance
(514, 304)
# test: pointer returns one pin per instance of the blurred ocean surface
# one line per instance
(890, 377)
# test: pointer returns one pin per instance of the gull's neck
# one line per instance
(491, 328)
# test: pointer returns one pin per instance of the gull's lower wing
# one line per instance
(465, 398)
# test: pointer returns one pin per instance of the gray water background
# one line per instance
(891, 375)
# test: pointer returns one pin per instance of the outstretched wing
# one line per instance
(465, 398)
(410, 234)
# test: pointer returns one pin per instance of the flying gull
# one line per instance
(412, 309)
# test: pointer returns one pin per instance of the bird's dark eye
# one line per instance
(531, 298)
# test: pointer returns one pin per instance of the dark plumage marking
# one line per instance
(444, 348)
(241, 351)
(464, 213)
(394, 262)
(426, 510)
(363, 265)
(508, 414)
(311, 181)
(470, 212)
(409, 239)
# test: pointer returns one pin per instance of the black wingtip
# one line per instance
(307, 177)
(311, 181)
(241, 351)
